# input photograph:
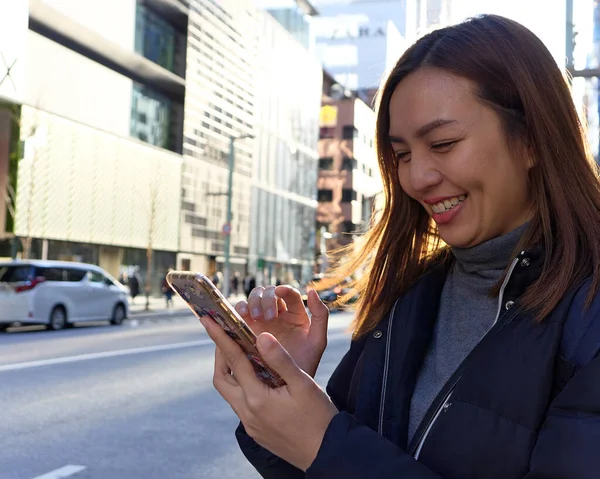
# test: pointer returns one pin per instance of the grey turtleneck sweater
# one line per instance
(467, 311)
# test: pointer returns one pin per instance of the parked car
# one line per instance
(59, 294)
(328, 296)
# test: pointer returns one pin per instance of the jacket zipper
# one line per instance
(386, 366)
(445, 404)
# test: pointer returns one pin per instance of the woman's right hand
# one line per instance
(279, 310)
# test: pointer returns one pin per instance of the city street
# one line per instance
(126, 402)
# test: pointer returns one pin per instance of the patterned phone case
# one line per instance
(204, 299)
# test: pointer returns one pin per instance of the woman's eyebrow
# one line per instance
(424, 130)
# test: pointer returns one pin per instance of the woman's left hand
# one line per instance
(289, 421)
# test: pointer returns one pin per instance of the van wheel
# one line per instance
(118, 315)
(58, 318)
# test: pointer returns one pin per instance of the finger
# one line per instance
(233, 354)
(254, 300)
(319, 317)
(292, 298)
(242, 308)
(222, 368)
(269, 303)
(227, 385)
(280, 361)
(281, 306)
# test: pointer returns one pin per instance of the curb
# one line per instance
(165, 313)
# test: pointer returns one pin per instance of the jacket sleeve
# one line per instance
(266, 463)
(569, 441)
(271, 466)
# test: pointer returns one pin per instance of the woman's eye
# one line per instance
(402, 155)
(444, 146)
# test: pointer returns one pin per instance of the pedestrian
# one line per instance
(249, 284)
(235, 283)
(167, 290)
(476, 345)
(134, 285)
(217, 279)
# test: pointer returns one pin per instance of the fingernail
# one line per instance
(243, 309)
(255, 313)
(265, 341)
(270, 314)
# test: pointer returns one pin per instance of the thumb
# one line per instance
(319, 316)
(279, 359)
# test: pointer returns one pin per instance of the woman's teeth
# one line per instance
(448, 204)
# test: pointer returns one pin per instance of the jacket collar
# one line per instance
(527, 270)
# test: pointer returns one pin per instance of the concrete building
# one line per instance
(122, 150)
(358, 41)
(249, 78)
(289, 84)
(219, 104)
(93, 110)
(349, 179)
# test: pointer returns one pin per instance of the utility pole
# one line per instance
(227, 225)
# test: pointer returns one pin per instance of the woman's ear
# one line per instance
(530, 160)
(528, 156)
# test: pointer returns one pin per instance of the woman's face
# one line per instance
(454, 159)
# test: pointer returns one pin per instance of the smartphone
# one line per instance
(205, 299)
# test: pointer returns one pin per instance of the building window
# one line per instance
(349, 132)
(326, 132)
(348, 195)
(154, 38)
(349, 163)
(324, 196)
(326, 163)
(150, 117)
(348, 227)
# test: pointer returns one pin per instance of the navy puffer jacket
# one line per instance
(524, 404)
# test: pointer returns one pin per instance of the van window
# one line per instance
(95, 277)
(52, 274)
(75, 275)
(16, 274)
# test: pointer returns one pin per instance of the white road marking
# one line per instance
(106, 354)
(126, 352)
(65, 471)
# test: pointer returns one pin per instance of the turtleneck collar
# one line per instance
(490, 256)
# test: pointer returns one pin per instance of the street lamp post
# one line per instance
(227, 226)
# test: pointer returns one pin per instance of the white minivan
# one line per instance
(58, 294)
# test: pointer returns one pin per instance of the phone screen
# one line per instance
(204, 299)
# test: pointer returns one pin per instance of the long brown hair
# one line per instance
(517, 77)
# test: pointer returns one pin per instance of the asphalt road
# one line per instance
(127, 402)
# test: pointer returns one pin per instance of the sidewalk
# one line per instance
(157, 305)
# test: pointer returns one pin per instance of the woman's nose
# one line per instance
(423, 173)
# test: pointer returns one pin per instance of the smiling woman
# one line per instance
(476, 348)
(459, 168)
